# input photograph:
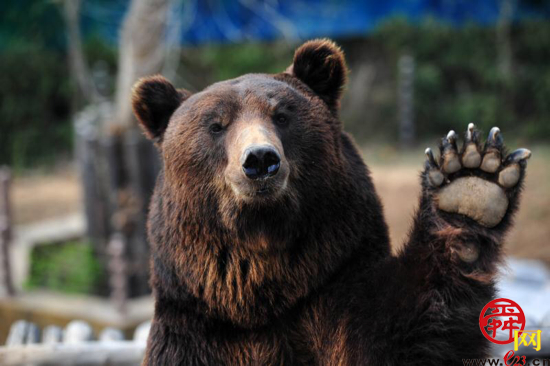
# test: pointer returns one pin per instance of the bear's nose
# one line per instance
(261, 162)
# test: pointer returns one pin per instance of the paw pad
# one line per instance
(476, 198)
(460, 179)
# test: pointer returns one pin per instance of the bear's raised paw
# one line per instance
(474, 181)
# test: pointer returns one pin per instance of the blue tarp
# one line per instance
(206, 21)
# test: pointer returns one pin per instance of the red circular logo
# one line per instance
(499, 318)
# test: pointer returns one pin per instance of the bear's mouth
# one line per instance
(259, 191)
(263, 190)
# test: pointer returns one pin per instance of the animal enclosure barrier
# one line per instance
(73, 345)
(6, 285)
(118, 175)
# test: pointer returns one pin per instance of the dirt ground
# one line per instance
(37, 197)
(395, 174)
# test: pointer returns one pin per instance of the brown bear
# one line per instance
(269, 245)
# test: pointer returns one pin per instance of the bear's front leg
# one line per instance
(428, 298)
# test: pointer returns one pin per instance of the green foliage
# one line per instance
(458, 78)
(30, 23)
(208, 64)
(35, 106)
(231, 61)
(37, 95)
(35, 91)
(67, 267)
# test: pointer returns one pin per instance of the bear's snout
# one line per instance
(260, 161)
(257, 168)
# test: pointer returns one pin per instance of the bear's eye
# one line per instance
(281, 120)
(216, 128)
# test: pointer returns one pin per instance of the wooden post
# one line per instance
(6, 285)
(137, 186)
(88, 152)
(118, 278)
(120, 220)
(406, 100)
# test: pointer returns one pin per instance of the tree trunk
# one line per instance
(79, 69)
(141, 52)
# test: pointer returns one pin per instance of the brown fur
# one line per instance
(303, 274)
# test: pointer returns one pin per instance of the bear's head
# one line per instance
(262, 195)
(251, 138)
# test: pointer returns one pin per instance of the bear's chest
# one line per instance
(266, 347)
(288, 341)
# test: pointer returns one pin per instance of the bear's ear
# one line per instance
(320, 64)
(154, 100)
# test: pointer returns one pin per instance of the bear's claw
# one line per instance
(434, 175)
(492, 155)
(471, 157)
(518, 155)
(461, 182)
(450, 161)
(510, 174)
